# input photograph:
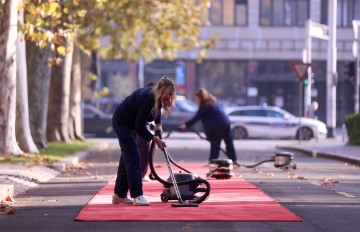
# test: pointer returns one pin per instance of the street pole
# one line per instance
(140, 62)
(356, 24)
(141, 72)
(300, 109)
(331, 75)
(307, 59)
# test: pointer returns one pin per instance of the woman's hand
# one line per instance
(160, 144)
(182, 127)
(158, 129)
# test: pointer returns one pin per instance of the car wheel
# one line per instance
(306, 133)
(239, 133)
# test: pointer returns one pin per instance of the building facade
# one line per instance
(250, 63)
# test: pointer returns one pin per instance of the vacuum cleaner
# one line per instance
(224, 168)
(179, 186)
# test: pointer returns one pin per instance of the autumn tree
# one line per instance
(147, 28)
(23, 134)
(8, 38)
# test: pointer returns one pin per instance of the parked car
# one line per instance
(272, 122)
(184, 110)
(97, 122)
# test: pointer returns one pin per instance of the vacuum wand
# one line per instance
(176, 187)
(172, 177)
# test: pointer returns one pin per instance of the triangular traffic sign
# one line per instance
(300, 69)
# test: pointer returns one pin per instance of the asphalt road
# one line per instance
(324, 193)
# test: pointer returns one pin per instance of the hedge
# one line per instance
(352, 123)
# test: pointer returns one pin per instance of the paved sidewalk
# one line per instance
(333, 148)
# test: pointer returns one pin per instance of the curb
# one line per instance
(316, 153)
(78, 156)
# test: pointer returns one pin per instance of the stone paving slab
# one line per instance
(335, 148)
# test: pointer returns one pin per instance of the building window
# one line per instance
(228, 12)
(216, 12)
(240, 12)
(347, 10)
(223, 78)
(284, 12)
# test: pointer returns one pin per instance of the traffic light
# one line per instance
(350, 72)
(350, 69)
(306, 81)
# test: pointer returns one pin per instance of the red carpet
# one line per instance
(230, 200)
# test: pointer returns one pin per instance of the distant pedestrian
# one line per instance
(216, 124)
(313, 109)
(142, 106)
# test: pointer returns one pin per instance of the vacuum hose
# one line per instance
(224, 151)
(195, 181)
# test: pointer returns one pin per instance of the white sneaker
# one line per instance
(117, 200)
(140, 200)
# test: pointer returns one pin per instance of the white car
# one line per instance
(272, 122)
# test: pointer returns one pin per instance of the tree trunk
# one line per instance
(22, 126)
(58, 111)
(75, 120)
(39, 75)
(8, 35)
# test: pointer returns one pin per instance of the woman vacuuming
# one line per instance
(142, 106)
(216, 125)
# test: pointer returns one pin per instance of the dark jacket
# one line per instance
(212, 117)
(133, 114)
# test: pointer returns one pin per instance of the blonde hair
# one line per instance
(161, 88)
(205, 97)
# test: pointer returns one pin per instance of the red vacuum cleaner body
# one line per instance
(221, 168)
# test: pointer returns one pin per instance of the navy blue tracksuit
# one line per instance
(132, 115)
(216, 127)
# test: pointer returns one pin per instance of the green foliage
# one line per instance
(352, 123)
(148, 28)
(49, 23)
(55, 152)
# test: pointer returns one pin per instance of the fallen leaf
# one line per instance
(11, 210)
(296, 176)
(328, 180)
(9, 199)
(8, 158)
(6, 209)
(268, 174)
(186, 227)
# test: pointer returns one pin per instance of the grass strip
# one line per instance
(55, 152)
